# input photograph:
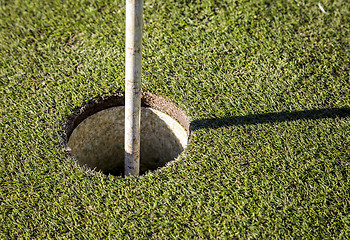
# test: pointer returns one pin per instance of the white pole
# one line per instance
(133, 53)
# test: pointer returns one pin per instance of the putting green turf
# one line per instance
(266, 84)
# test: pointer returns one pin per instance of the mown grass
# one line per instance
(220, 61)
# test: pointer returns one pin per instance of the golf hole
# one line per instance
(95, 135)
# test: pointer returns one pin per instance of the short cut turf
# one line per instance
(266, 84)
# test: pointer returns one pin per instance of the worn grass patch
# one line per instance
(266, 84)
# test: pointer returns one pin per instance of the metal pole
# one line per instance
(133, 54)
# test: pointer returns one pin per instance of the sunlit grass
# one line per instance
(244, 175)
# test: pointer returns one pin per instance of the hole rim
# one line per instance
(148, 100)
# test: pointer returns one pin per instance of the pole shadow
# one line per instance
(284, 116)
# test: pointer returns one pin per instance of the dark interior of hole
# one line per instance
(154, 153)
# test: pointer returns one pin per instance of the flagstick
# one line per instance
(133, 53)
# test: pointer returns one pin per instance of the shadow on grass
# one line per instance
(270, 117)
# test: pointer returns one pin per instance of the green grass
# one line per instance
(216, 60)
